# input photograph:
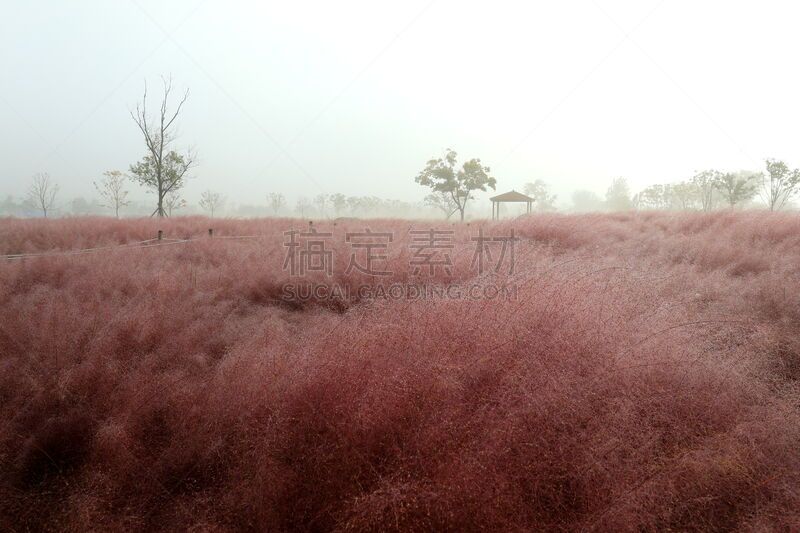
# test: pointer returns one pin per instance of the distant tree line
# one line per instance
(212, 203)
(705, 191)
(164, 171)
(339, 205)
(710, 189)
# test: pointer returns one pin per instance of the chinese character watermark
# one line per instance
(372, 244)
(310, 255)
(431, 249)
(307, 251)
(483, 249)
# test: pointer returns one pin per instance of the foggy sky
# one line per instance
(354, 96)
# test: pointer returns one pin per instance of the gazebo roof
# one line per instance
(512, 196)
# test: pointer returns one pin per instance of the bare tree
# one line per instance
(42, 193)
(339, 203)
(779, 184)
(163, 170)
(354, 204)
(211, 201)
(111, 190)
(173, 202)
(276, 202)
(706, 184)
(302, 206)
(320, 203)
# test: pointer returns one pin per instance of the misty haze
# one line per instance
(419, 266)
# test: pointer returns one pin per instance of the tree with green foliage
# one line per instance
(162, 170)
(539, 190)
(9, 207)
(737, 187)
(654, 197)
(442, 177)
(618, 195)
(161, 176)
(586, 201)
(683, 195)
(779, 184)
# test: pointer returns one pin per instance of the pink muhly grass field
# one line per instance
(644, 377)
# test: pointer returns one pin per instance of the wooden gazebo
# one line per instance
(511, 196)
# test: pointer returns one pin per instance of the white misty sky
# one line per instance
(354, 96)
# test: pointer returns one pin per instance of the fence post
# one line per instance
(210, 232)
(160, 234)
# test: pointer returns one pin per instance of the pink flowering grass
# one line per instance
(643, 377)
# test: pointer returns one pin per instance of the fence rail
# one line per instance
(160, 240)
